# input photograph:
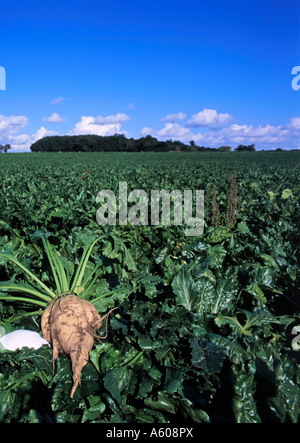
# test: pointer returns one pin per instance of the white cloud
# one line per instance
(22, 142)
(172, 131)
(209, 118)
(294, 123)
(42, 132)
(111, 119)
(54, 118)
(11, 125)
(100, 125)
(172, 118)
(148, 131)
(263, 136)
(255, 134)
(57, 100)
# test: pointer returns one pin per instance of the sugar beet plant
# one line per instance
(204, 325)
(68, 322)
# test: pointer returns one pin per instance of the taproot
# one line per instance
(69, 324)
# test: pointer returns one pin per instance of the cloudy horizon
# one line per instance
(205, 128)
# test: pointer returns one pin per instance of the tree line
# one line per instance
(4, 148)
(118, 142)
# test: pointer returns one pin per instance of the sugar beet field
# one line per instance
(207, 326)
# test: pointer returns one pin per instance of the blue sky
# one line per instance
(213, 72)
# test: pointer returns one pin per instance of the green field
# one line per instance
(205, 324)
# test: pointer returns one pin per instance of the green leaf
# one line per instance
(8, 257)
(269, 261)
(191, 413)
(95, 410)
(185, 290)
(218, 234)
(162, 403)
(257, 292)
(243, 403)
(226, 293)
(173, 381)
(115, 381)
(207, 356)
(286, 193)
(233, 322)
(253, 319)
(12, 287)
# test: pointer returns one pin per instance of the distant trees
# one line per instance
(245, 148)
(4, 148)
(96, 143)
(120, 143)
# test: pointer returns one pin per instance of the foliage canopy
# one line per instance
(204, 324)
